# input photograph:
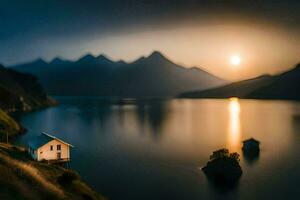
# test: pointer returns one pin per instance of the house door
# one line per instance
(58, 155)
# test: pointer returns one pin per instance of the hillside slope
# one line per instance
(8, 126)
(22, 178)
(281, 86)
(238, 89)
(21, 92)
(284, 86)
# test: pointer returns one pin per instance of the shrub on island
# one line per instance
(223, 167)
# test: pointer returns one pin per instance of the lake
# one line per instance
(154, 150)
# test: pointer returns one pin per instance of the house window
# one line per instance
(58, 147)
(51, 148)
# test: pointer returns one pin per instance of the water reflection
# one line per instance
(159, 145)
(234, 127)
(251, 158)
(152, 114)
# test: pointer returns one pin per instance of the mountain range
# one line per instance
(152, 76)
(282, 86)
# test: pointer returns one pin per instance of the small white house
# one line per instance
(50, 148)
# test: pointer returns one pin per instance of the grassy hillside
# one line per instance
(22, 178)
(8, 126)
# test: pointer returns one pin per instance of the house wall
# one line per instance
(44, 152)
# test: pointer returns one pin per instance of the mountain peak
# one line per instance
(57, 60)
(103, 58)
(157, 55)
(39, 61)
(87, 58)
(148, 77)
(122, 62)
(157, 58)
(140, 59)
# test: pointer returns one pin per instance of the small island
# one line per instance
(251, 147)
(223, 167)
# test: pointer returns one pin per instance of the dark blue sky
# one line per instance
(35, 28)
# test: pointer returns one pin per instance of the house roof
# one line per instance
(251, 140)
(43, 139)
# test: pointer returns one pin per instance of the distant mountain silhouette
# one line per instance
(152, 76)
(282, 86)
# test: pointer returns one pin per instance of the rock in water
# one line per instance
(223, 167)
(251, 148)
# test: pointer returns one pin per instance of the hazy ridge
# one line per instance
(282, 86)
(147, 77)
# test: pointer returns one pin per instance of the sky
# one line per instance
(201, 33)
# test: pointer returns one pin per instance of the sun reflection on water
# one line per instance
(234, 127)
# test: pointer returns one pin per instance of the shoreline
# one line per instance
(47, 176)
(46, 180)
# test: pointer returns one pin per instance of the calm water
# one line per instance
(154, 149)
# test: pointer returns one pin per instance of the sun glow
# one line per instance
(235, 60)
(234, 132)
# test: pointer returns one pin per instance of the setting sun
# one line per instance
(190, 99)
(235, 60)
